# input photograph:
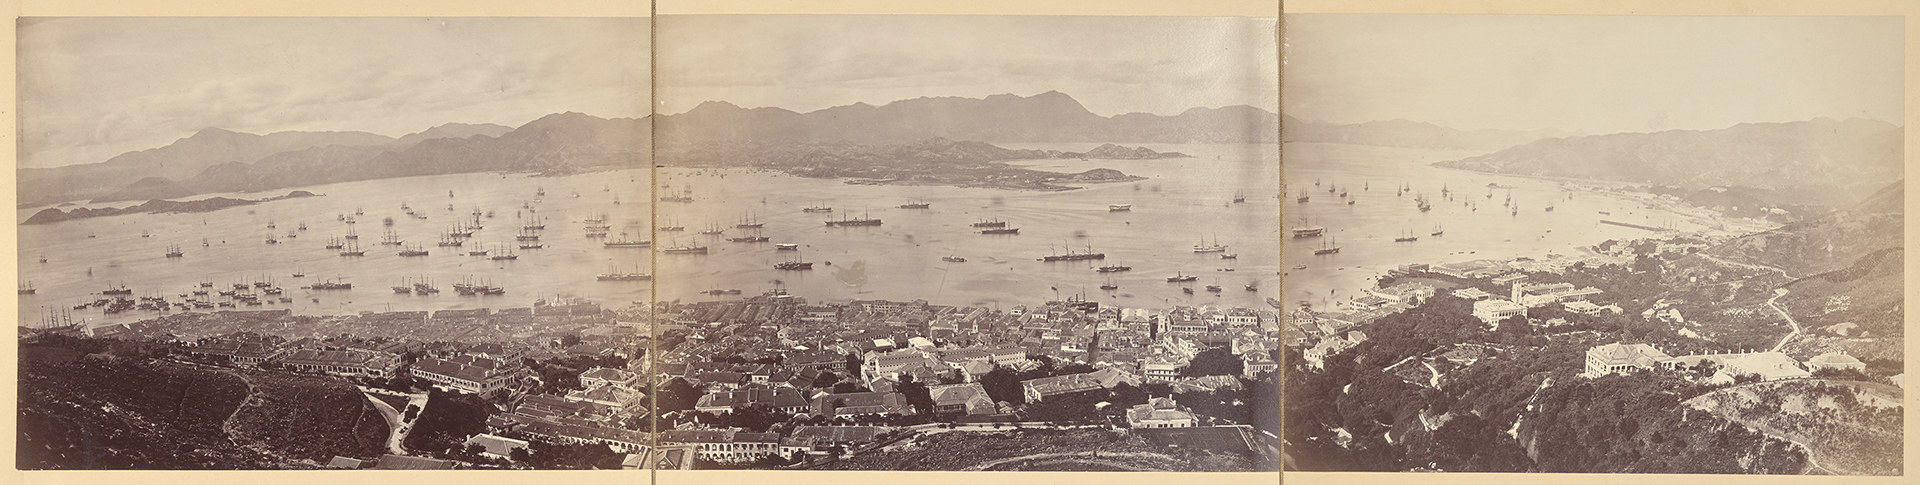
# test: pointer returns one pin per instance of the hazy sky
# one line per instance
(1112, 65)
(92, 88)
(1598, 74)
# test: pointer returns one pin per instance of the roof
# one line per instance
(1834, 358)
(1070, 383)
(955, 394)
(861, 403)
(495, 444)
(344, 462)
(1769, 365)
(609, 374)
(1640, 355)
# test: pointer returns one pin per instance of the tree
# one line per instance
(413, 410)
(1002, 386)
(520, 454)
(853, 363)
(826, 379)
(1125, 395)
(846, 387)
(676, 395)
(569, 340)
(916, 393)
(1213, 362)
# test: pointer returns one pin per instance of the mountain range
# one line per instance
(1407, 134)
(1822, 161)
(1002, 118)
(218, 160)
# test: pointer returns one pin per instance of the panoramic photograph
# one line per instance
(966, 243)
(352, 243)
(1600, 244)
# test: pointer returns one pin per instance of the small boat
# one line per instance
(1109, 286)
(1119, 207)
(786, 247)
(953, 259)
(1001, 230)
(915, 205)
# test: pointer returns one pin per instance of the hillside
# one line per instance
(1003, 118)
(554, 144)
(103, 411)
(933, 161)
(216, 160)
(1827, 242)
(146, 170)
(1822, 161)
(1407, 134)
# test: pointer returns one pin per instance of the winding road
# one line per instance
(1774, 302)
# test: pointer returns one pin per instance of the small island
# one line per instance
(52, 215)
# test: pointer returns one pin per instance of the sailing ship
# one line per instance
(1406, 237)
(506, 254)
(1073, 256)
(335, 244)
(331, 285)
(174, 252)
(626, 242)
(413, 252)
(864, 220)
(685, 250)
(1437, 231)
(1305, 230)
(613, 275)
(1216, 247)
(749, 222)
(390, 239)
(1327, 246)
(352, 248)
(794, 264)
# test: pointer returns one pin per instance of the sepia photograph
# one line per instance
(352, 243)
(1599, 244)
(985, 242)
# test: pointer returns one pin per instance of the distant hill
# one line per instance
(1046, 117)
(1407, 134)
(1822, 161)
(558, 143)
(453, 130)
(1854, 255)
(183, 158)
(1827, 242)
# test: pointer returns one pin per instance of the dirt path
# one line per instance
(253, 394)
(394, 433)
(1083, 456)
(1774, 302)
